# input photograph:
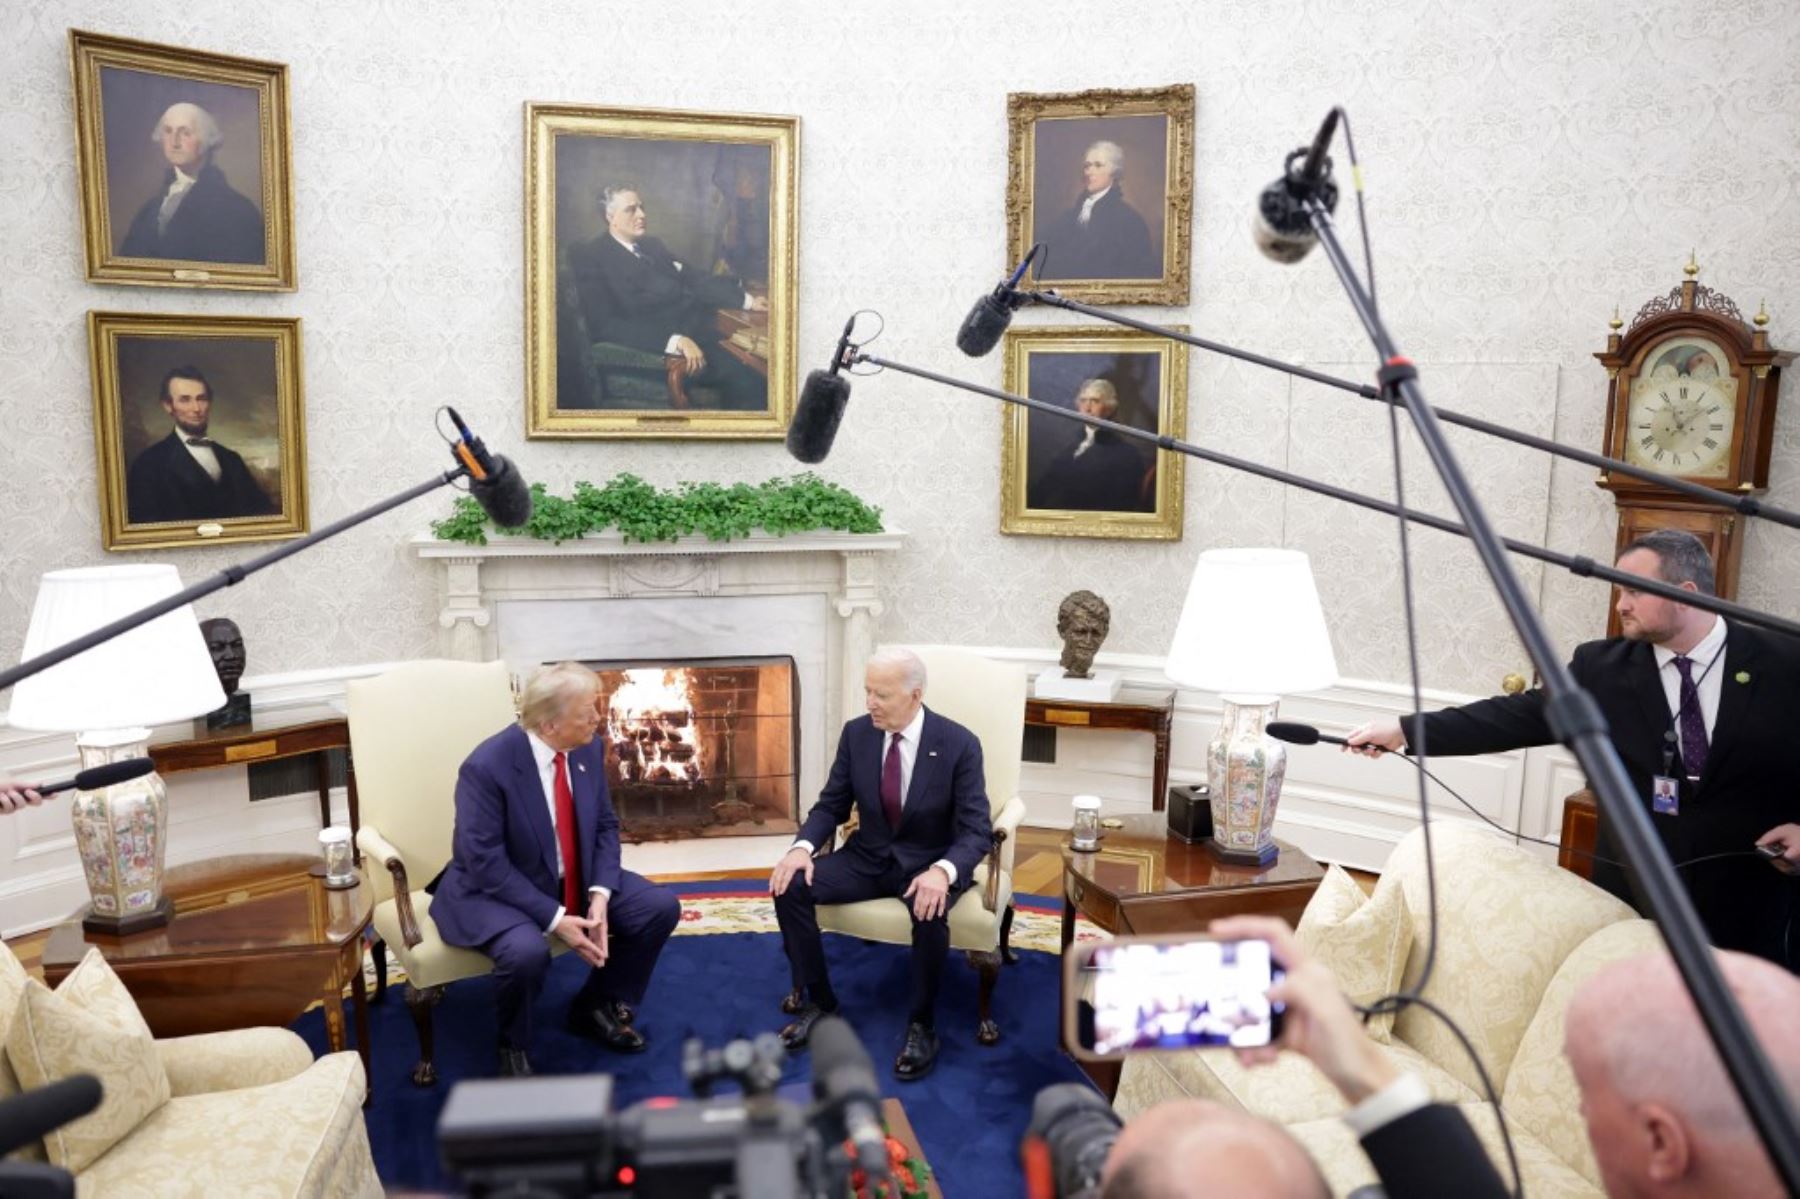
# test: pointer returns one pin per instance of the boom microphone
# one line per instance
(1295, 733)
(982, 328)
(103, 775)
(821, 406)
(34, 1114)
(844, 1079)
(494, 482)
(1281, 227)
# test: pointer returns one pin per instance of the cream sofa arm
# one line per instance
(230, 1061)
(1000, 858)
(371, 842)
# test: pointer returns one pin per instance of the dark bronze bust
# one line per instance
(226, 645)
(1082, 621)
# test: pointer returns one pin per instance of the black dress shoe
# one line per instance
(918, 1055)
(796, 1034)
(600, 1024)
(621, 1011)
(514, 1063)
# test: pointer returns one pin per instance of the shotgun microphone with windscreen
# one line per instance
(494, 482)
(821, 406)
(992, 313)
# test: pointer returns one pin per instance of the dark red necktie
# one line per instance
(565, 839)
(890, 782)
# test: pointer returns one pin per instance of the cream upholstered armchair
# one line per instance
(987, 698)
(410, 730)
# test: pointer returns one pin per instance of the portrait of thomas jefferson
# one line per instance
(1076, 468)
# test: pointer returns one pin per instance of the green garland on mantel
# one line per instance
(642, 512)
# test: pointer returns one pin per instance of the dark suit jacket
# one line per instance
(1108, 478)
(945, 812)
(165, 483)
(502, 869)
(1433, 1152)
(642, 302)
(1114, 244)
(212, 224)
(1751, 783)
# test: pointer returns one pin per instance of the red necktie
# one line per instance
(890, 783)
(565, 839)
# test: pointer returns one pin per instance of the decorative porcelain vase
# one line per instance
(122, 834)
(1245, 767)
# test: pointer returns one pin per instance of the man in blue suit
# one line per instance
(536, 855)
(916, 782)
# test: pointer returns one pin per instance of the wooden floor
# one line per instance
(1037, 870)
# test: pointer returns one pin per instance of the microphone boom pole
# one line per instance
(1579, 724)
(1575, 564)
(1744, 505)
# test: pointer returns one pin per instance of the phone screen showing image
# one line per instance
(1187, 995)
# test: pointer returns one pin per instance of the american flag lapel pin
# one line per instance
(581, 766)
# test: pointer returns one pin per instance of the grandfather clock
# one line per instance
(1691, 392)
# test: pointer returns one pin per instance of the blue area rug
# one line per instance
(969, 1113)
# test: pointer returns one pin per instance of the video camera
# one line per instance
(560, 1136)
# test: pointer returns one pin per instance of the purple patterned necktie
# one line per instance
(890, 782)
(1692, 722)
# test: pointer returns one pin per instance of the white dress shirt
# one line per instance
(178, 190)
(546, 768)
(1087, 205)
(909, 753)
(1709, 678)
(1087, 442)
(1402, 1097)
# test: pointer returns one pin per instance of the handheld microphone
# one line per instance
(821, 406)
(844, 1080)
(103, 775)
(1282, 230)
(494, 482)
(990, 316)
(1295, 733)
(34, 1114)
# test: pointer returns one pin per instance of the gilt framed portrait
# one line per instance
(184, 162)
(1104, 180)
(198, 429)
(1061, 478)
(660, 272)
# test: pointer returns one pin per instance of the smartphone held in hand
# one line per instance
(1163, 993)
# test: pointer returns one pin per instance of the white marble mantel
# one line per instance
(603, 580)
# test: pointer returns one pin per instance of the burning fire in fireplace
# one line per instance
(651, 727)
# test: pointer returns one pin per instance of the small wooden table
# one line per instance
(1141, 881)
(254, 940)
(272, 734)
(1152, 712)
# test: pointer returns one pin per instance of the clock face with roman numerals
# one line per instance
(1683, 410)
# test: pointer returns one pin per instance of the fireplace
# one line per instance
(701, 747)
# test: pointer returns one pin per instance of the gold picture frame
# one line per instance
(185, 162)
(1113, 487)
(643, 228)
(1133, 243)
(233, 382)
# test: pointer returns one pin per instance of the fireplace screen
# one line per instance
(701, 748)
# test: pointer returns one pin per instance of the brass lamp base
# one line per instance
(125, 926)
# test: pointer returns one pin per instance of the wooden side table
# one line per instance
(1152, 713)
(254, 940)
(272, 734)
(1141, 881)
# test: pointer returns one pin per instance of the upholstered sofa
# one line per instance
(248, 1112)
(1519, 935)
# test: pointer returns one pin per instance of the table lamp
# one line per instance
(1251, 630)
(157, 673)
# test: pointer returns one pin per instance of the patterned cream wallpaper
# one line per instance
(1530, 165)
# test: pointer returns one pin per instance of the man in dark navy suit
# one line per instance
(915, 780)
(636, 292)
(536, 855)
(188, 476)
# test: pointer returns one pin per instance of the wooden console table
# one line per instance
(272, 734)
(1154, 713)
(255, 940)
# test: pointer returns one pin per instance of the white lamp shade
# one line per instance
(157, 673)
(1252, 625)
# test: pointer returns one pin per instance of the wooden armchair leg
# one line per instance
(794, 1001)
(378, 951)
(987, 965)
(420, 1003)
(1008, 954)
